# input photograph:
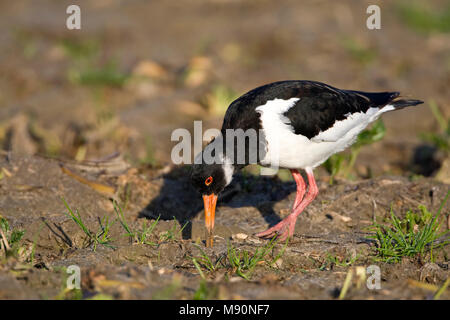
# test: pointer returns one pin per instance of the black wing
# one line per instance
(319, 107)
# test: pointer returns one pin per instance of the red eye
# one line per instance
(209, 180)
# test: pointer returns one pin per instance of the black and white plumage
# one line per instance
(311, 120)
(303, 124)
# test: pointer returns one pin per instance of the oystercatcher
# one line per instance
(302, 123)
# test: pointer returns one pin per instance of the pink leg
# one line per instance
(301, 187)
(286, 227)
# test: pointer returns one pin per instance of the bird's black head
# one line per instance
(210, 178)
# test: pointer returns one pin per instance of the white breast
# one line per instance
(286, 149)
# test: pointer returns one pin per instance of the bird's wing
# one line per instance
(324, 113)
(318, 108)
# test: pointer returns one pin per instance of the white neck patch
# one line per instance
(272, 112)
(228, 169)
(279, 106)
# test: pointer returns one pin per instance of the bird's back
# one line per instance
(316, 100)
(301, 114)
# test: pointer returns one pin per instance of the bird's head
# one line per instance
(210, 180)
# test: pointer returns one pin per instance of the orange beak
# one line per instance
(210, 210)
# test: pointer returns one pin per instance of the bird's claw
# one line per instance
(282, 230)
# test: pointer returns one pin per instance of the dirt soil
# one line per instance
(334, 225)
(71, 128)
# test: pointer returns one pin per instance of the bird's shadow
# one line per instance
(178, 198)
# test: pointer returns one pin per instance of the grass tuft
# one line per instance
(239, 262)
(172, 233)
(137, 236)
(416, 234)
(9, 238)
(101, 237)
(346, 261)
(204, 261)
(243, 262)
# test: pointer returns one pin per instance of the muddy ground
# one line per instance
(333, 226)
(87, 115)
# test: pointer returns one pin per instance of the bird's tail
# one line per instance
(402, 103)
(382, 99)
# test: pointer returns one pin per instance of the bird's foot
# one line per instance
(282, 230)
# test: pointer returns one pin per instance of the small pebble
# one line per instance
(278, 263)
(254, 240)
(161, 271)
(239, 236)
